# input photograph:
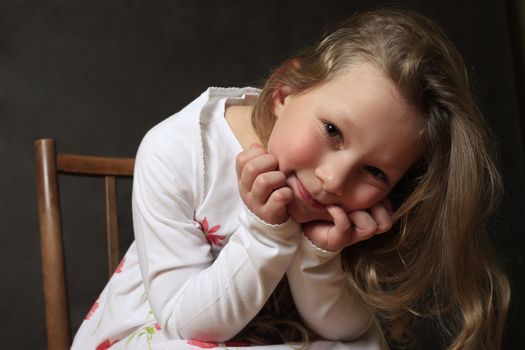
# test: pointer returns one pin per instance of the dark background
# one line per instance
(96, 75)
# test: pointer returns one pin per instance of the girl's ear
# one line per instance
(279, 99)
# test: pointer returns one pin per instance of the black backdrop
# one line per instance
(96, 75)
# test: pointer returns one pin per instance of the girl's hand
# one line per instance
(348, 229)
(262, 186)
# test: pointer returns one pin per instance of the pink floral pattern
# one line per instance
(120, 266)
(211, 237)
(93, 309)
(106, 344)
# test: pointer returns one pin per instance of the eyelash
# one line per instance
(375, 172)
(332, 132)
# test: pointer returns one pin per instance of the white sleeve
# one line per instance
(321, 295)
(191, 294)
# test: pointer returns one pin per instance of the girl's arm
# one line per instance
(191, 294)
(316, 276)
(321, 294)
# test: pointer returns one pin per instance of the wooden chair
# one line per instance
(49, 165)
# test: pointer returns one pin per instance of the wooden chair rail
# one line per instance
(49, 165)
(77, 164)
(52, 249)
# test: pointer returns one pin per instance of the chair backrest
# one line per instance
(49, 165)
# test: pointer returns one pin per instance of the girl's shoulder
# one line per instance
(184, 127)
(178, 138)
(172, 152)
(218, 97)
(208, 106)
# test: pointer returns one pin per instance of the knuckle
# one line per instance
(270, 158)
(370, 229)
(262, 180)
(241, 158)
(346, 227)
(278, 196)
(250, 168)
(384, 227)
(280, 177)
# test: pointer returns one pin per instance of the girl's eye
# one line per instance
(332, 132)
(375, 172)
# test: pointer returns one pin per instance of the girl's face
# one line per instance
(346, 142)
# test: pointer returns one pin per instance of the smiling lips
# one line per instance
(306, 196)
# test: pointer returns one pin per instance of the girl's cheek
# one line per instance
(365, 197)
(306, 149)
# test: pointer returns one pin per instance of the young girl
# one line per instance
(340, 206)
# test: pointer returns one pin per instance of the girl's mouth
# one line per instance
(306, 196)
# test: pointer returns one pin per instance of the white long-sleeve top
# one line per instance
(202, 265)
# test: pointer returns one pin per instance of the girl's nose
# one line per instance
(335, 175)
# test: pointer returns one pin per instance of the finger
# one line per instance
(279, 199)
(247, 155)
(255, 167)
(363, 223)
(340, 234)
(382, 216)
(266, 183)
(256, 145)
(341, 220)
(388, 205)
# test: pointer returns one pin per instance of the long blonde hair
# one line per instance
(436, 263)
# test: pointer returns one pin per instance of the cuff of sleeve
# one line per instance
(287, 229)
(316, 253)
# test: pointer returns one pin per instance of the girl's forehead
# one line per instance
(363, 86)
